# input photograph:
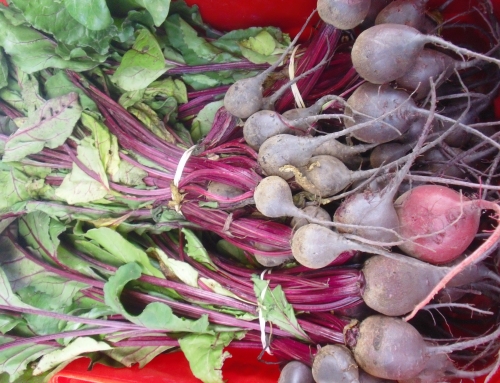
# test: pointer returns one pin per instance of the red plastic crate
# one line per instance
(242, 367)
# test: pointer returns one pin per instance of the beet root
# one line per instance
(296, 372)
(390, 348)
(335, 361)
(393, 287)
(448, 220)
(376, 60)
(316, 246)
(368, 209)
(244, 97)
(376, 101)
(343, 14)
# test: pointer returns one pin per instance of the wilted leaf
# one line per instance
(182, 270)
(79, 346)
(78, 186)
(128, 174)
(15, 360)
(167, 87)
(151, 120)
(128, 356)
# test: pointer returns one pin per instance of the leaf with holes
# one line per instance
(48, 126)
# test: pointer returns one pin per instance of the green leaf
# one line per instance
(92, 14)
(51, 17)
(101, 136)
(31, 51)
(92, 249)
(60, 85)
(157, 8)
(7, 296)
(23, 273)
(75, 263)
(41, 233)
(14, 99)
(48, 126)
(203, 121)
(40, 324)
(275, 308)
(229, 250)
(122, 249)
(8, 322)
(156, 315)
(5, 223)
(206, 80)
(195, 249)
(32, 171)
(256, 44)
(79, 346)
(142, 64)
(194, 49)
(15, 360)
(78, 186)
(128, 356)
(4, 70)
(205, 354)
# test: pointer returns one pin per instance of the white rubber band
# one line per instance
(182, 163)
(291, 73)
(262, 322)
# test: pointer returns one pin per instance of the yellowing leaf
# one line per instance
(263, 43)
